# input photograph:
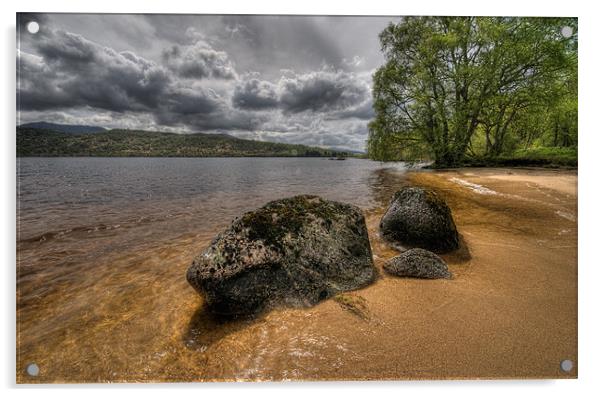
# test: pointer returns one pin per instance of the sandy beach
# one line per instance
(509, 312)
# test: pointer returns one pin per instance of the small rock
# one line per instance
(418, 217)
(417, 262)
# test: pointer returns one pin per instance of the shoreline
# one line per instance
(509, 312)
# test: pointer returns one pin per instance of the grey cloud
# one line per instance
(322, 90)
(74, 72)
(200, 109)
(37, 89)
(318, 91)
(255, 94)
(282, 78)
(67, 49)
(199, 61)
(221, 118)
(187, 101)
(363, 111)
(270, 42)
(122, 32)
(82, 73)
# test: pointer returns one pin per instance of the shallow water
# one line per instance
(104, 245)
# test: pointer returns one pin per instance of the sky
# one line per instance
(293, 79)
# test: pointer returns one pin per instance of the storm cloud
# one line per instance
(199, 60)
(286, 79)
(70, 71)
(255, 94)
(322, 91)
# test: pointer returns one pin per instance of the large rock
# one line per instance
(417, 262)
(295, 252)
(418, 217)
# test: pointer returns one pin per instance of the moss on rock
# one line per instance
(295, 251)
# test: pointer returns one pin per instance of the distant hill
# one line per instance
(34, 142)
(67, 128)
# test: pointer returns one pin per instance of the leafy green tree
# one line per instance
(449, 79)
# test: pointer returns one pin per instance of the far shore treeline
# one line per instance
(477, 90)
(38, 142)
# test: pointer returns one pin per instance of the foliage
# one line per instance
(128, 143)
(566, 156)
(456, 87)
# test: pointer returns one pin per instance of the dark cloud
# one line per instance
(255, 94)
(321, 91)
(73, 71)
(37, 88)
(280, 78)
(67, 49)
(199, 61)
(220, 117)
(189, 101)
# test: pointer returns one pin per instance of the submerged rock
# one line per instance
(418, 217)
(295, 251)
(417, 262)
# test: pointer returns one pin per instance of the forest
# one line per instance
(477, 90)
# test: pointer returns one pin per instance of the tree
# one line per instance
(447, 79)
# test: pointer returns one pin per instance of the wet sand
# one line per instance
(509, 312)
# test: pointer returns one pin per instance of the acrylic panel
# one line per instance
(252, 197)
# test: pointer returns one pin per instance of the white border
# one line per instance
(590, 331)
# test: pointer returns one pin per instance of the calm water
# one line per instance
(103, 244)
(57, 195)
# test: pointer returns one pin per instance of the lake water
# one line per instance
(60, 195)
(103, 244)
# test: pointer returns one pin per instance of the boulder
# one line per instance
(418, 217)
(295, 252)
(417, 262)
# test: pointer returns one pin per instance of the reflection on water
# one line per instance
(103, 245)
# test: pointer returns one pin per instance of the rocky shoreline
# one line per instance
(301, 250)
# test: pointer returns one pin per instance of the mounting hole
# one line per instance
(33, 369)
(33, 27)
(566, 31)
(566, 365)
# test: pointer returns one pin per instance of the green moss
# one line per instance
(275, 220)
